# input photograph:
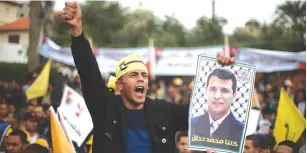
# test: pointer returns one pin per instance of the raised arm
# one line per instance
(95, 91)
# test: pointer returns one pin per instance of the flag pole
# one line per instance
(226, 45)
(152, 58)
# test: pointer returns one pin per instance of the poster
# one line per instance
(220, 105)
(74, 116)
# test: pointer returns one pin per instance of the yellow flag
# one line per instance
(90, 142)
(91, 149)
(255, 100)
(60, 142)
(290, 123)
(40, 85)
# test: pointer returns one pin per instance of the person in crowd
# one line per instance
(182, 142)
(16, 142)
(264, 143)
(252, 144)
(157, 90)
(268, 114)
(287, 146)
(11, 108)
(39, 113)
(29, 108)
(14, 120)
(300, 101)
(173, 95)
(264, 127)
(36, 148)
(30, 123)
(272, 102)
(3, 111)
(130, 122)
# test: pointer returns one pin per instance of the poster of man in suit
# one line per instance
(220, 105)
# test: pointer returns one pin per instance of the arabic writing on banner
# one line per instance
(107, 58)
(75, 116)
(170, 61)
(270, 61)
(182, 61)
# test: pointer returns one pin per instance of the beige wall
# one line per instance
(23, 37)
(8, 13)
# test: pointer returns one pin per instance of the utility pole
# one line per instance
(213, 10)
(40, 19)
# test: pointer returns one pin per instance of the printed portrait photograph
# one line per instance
(220, 105)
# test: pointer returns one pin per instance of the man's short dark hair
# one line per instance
(181, 134)
(22, 135)
(16, 115)
(29, 116)
(290, 144)
(264, 141)
(224, 75)
(36, 148)
(255, 140)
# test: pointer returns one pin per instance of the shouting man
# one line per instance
(129, 122)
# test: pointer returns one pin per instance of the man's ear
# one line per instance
(24, 146)
(119, 85)
(258, 149)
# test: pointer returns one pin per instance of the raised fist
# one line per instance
(73, 17)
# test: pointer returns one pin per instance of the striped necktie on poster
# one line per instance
(213, 126)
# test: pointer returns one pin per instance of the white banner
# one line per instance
(74, 116)
(270, 60)
(253, 120)
(169, 62)
(57, 53)
(182, 61)
(108, 57)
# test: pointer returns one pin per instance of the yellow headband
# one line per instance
(42, 142)
(129, 63)
(8, 131)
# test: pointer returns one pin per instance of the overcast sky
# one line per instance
(237, 12)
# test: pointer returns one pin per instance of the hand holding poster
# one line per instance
(220, 105)
(74, 116)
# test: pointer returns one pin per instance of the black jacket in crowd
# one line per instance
(163, 119)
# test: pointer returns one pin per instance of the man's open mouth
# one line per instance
(140, 89)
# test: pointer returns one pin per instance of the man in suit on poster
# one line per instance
(218, 128)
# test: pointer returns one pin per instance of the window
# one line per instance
(14, 39)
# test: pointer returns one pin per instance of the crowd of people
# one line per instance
(134, 123)
(29, 119)
(32, 117)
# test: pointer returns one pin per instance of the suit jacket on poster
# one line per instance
(108, 113)
(229, 130)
